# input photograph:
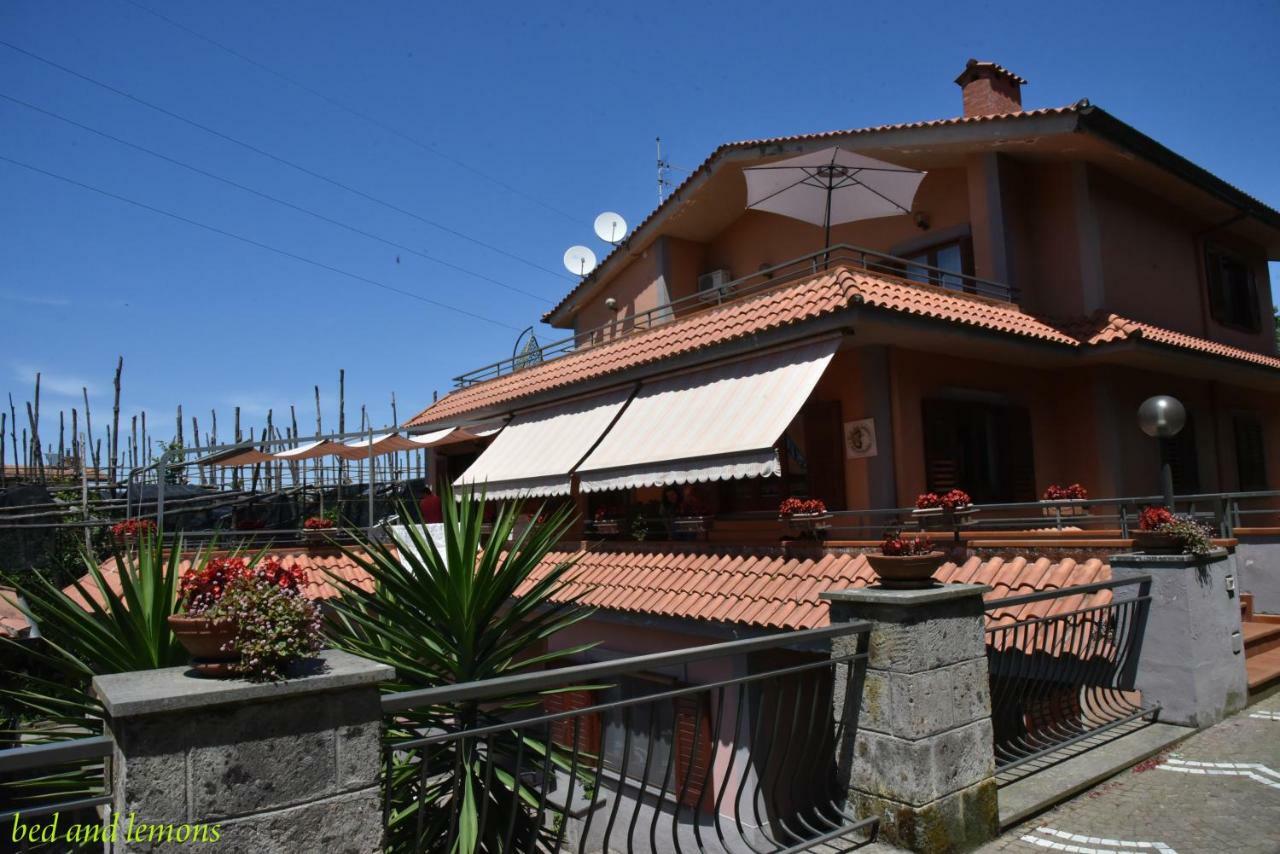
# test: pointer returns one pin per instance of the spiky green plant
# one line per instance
(442, 617)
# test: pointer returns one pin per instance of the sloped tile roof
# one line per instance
(13, 623)
(784, 305)
(1110, 328)
(776, 589)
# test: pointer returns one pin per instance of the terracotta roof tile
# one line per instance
(824, 294)
(1110, 328)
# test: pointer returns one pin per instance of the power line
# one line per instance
(346, 108)
(258, 244)
(263, 153)
(269, 197)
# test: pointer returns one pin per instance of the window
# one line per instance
(1251, 460)
(980, 447)
(955, 256)
(1180, 454)
(1233, 297)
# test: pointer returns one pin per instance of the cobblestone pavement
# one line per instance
(1216, 792)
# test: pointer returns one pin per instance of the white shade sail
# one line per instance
(308, 450)
(537, 450)
(857, 187)
(388, 443)
(717, 424)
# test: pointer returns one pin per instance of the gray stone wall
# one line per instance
(1192, 658)
(922, 758)
(275, 768)
(1258, 561)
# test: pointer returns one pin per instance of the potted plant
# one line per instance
(245, 619)
(317, 529)
(906, 563)
(692, 516)
(807, 515)
(1065, 500)
(606, 520)
(954, 503)
(127, 533)
(1163, 532)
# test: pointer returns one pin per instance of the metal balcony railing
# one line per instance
(846, 255)
(1059, 677)
(732, 747)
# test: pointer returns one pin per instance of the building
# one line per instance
(1057, 268)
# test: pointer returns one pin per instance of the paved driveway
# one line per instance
(1218, 792)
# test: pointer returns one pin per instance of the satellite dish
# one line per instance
(579, 260)
(611, 227)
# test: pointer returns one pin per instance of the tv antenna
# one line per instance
(611, 227)
(663, 166)
(579, 260)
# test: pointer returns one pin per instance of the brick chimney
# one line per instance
(990, 89)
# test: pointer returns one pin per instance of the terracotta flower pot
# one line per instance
(211, 644)
(906, 572)
(1157, 543)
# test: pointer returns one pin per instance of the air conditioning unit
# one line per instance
(712, 286)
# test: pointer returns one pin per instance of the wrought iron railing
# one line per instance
(1062, 666)
(795, 269)
(728, 747)
(38, 780)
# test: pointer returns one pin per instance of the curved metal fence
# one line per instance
(1062, 666)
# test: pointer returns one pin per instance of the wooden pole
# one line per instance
(13, 435)
(62, 434)
(88, 430)
(235, 472)
(33, 448)
(76, 444)
(114, 438)
(342, 422)
(133, 457)
(319, 472)
(36, 444)
(84, 501)
(4, 418)
(195, 437)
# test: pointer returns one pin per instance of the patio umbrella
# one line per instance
(831, 187)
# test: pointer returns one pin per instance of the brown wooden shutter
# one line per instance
(693, 755)
(588, 725)
(1020, 455)
(941, 451)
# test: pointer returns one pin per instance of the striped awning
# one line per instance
(716, 424)
(536, 452)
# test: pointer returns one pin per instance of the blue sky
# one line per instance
(552, 110)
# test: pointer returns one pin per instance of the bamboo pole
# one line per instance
(133, 444)
(235, 472)
(13, 435)
(144, 455)
(88, 430)
(114, 436)
(319, 472)
(75, 439)
(84, 501)
(4, 418)
(33, 447)
(35, 433)
(342, 422)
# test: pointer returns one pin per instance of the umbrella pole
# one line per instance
(826, 229)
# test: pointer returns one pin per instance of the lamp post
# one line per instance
(1163, 417)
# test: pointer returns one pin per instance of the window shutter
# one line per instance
(941, 453)
(1021, 455)
(588, 725)
(1180, 453)
(694, 751)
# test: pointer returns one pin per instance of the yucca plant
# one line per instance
(101, 629)
(443, 616)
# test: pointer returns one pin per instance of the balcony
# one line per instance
(797, 269)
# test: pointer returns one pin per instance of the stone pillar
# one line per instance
(922, 754)
(1192, 657)
(268, 767)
